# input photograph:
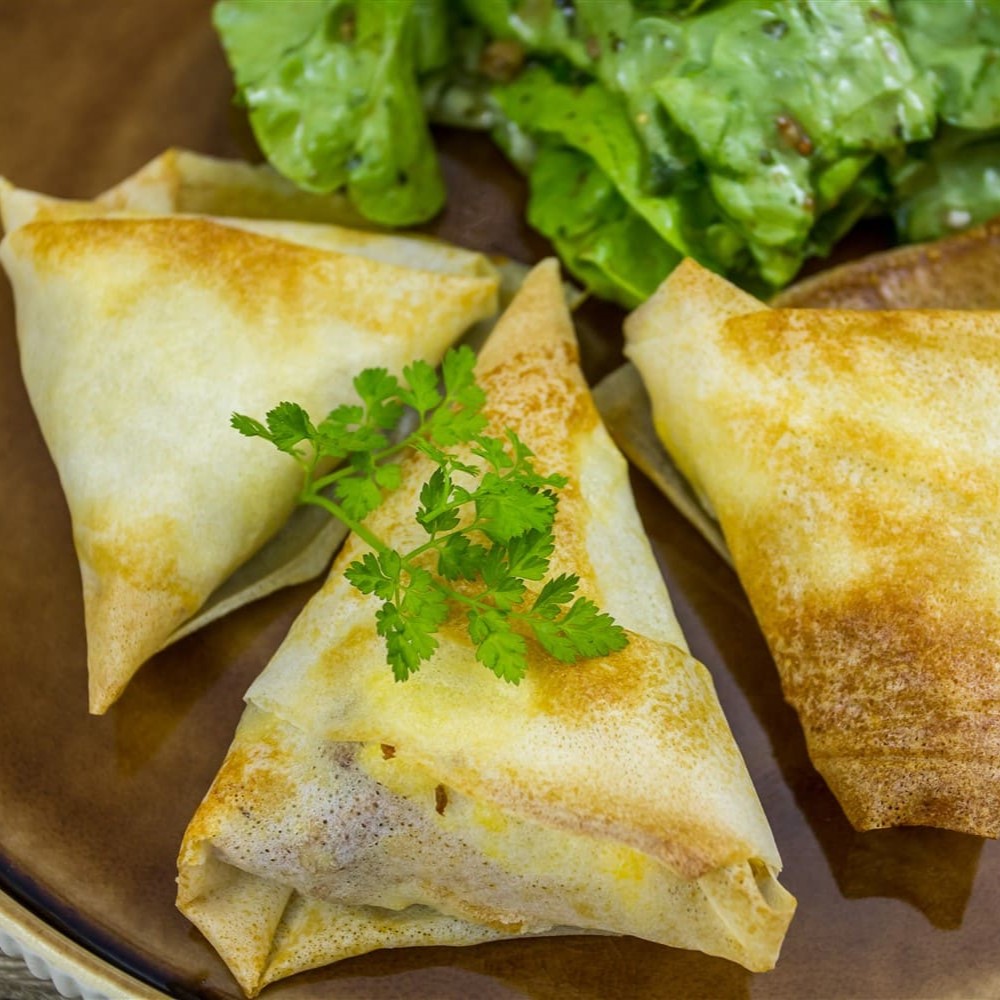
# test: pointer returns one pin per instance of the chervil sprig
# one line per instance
(487, 513)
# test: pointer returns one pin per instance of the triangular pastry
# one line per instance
(354, 812)
(140, 334)
(852, 461)
(237, 194)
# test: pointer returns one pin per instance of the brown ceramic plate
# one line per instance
(92, 809)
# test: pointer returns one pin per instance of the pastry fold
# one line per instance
(140, 334)
(354, 812)
(852, 462)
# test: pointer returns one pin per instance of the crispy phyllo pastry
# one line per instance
(249, 197)
(354, 812)
(851, 462)
(956, 272)
(141, 333)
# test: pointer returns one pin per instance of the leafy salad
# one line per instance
(748, 134)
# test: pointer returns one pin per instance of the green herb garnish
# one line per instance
(489, 525)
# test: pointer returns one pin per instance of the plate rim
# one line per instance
(72, 968)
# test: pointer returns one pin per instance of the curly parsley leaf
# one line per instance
(528, 554)
(582, 632)
(488, 532)
(498, 646)
(288, 425)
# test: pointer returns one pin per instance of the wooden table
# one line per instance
(17, 983)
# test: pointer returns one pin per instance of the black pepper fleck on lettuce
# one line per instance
(748, 134)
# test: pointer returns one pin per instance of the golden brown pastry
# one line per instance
(608, 796)
(140, 334)
(852, 462)
(956, 272)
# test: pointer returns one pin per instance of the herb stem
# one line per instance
(320, 500)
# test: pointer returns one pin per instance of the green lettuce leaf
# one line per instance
(577, 32)
(595, 121)
(603, 242)
(787, 104)
(749, 134)
(952, 184)
(333, 97)
(749, 187)
(958, 44)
